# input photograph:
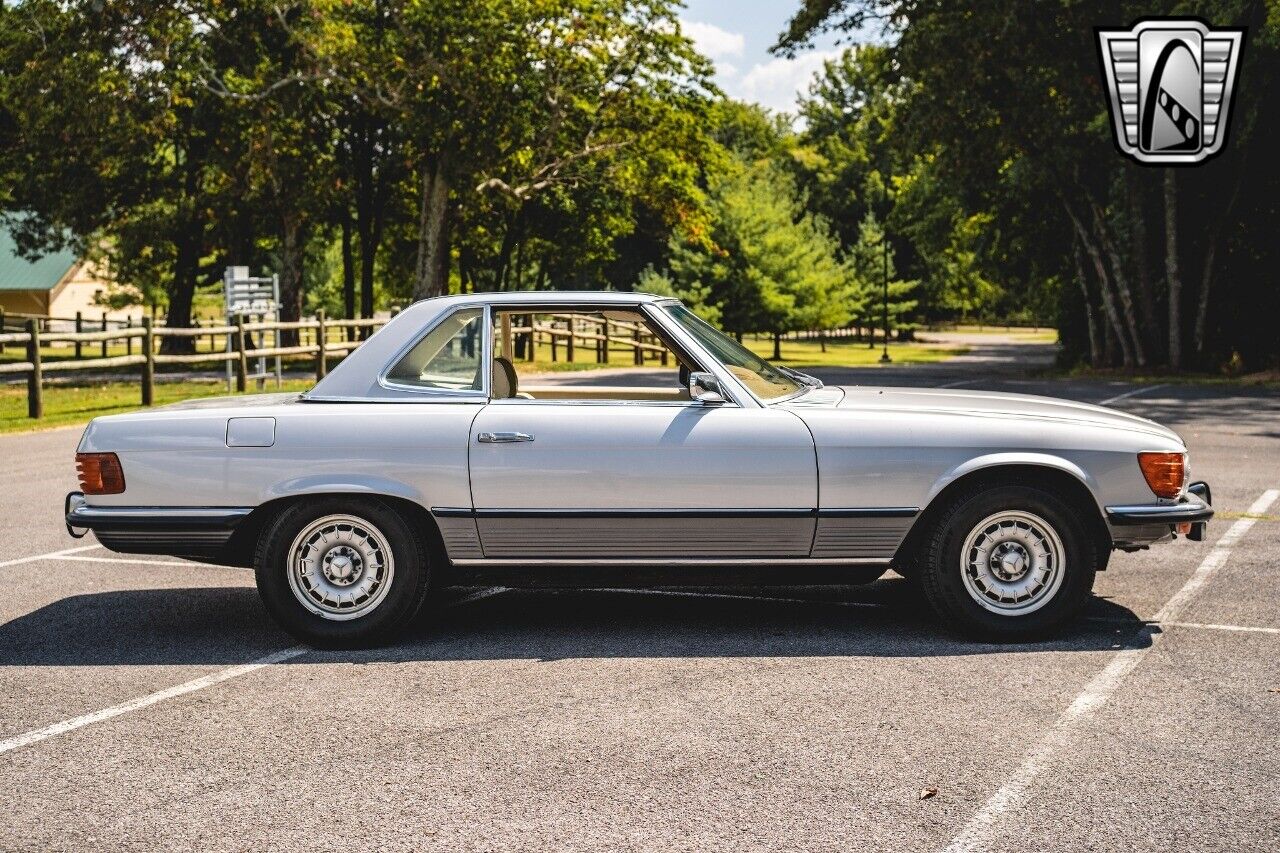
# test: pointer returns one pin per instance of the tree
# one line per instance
(111, 137)
(769, 265)
(510, 98)
(1010, 103)
(873, 260)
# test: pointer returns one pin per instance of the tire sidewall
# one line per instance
(403, 599)
(943, 569)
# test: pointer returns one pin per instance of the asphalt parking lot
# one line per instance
(150, 703)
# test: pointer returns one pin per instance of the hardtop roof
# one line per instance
(548, 297)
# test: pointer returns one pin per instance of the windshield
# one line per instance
(763, 379)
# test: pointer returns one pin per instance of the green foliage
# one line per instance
(873, 258)
(770, 265)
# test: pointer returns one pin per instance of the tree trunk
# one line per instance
(431, 278)
(1206, 279)
(777, 346)
(348, 269)
(186, 269)
(1122, 282)
(504, 253)
(1095, 354)
(1171, 267)
(292, 244)
(1138, 244)
(1210, 255)
(370, 205)
(1104, 287)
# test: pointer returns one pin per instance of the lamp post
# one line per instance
(884, 242)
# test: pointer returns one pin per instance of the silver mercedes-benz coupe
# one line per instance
(423, 460)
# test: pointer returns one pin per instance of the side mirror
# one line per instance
(705, 388)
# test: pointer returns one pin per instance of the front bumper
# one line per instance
(1144, 524)
(197, 532)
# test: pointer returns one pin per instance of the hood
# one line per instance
(995, 404)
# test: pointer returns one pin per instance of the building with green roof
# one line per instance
(56, 285)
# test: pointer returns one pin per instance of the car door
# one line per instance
(573, 480)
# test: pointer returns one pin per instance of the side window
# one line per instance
(584, 355)
(448, 357)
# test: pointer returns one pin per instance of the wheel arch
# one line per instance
(240, 547)
(1067, 480)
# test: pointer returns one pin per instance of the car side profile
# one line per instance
(423, 460)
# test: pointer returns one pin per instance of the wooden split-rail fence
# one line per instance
(319, 338)
(567, 338)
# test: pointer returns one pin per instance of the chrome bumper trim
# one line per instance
(1193, 507)
(81, 515)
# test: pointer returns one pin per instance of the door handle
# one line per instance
(503, 437)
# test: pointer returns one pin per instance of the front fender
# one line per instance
(1015, 458)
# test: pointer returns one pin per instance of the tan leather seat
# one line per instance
(505, 385)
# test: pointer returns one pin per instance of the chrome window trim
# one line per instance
(734, 390)
(684, 404)
(654, 318)
(448, 394)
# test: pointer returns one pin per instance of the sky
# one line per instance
(737, 35)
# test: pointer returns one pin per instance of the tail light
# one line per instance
(100, 473)
(1165, 472)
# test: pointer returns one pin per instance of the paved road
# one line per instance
(799, 719)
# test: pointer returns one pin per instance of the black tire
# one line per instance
(389, 608)
(941, 569)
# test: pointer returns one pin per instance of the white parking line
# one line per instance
(151, 699)
(1206, 626)
(135, 562)
(981, 828)
(1135, 392)
(1212, 627)
(51, 556)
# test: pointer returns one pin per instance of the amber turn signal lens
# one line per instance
(1165, 472)
(100, 473)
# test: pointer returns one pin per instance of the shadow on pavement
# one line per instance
(217, 625)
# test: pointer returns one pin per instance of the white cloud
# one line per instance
(776, 84)
(713, 42)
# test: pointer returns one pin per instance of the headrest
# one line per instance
(504, 385)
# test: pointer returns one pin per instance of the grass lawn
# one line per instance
(1022, 334)
(849, 353)
(67, 404)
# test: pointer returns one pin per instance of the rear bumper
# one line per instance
(199, 532)
(1143, 524)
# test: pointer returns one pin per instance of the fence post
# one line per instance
(79, 329)
(321, 367)
(128, 342)
(568, 346)
(639, 354)
(242, 364)
(104, 328)
(35, 398)
(148, 363)
(1, 328)
(604, 343)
